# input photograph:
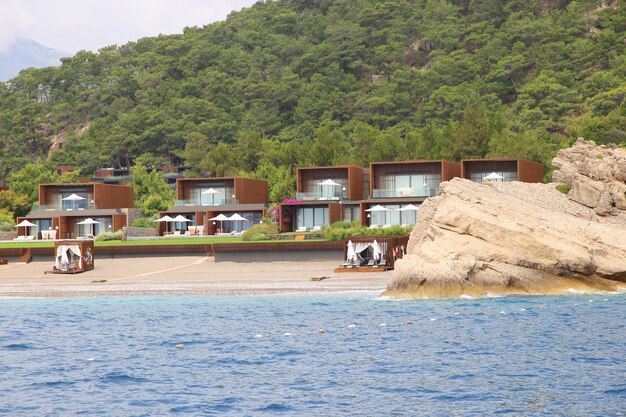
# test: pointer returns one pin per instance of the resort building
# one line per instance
(123, 176)
(324, 195)
(63, 209)
(501, 169)
(398, 188)
(199, 200)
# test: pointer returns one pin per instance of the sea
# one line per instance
(345, 354)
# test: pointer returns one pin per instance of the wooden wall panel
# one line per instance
(450, 170)
(108, 196)
(528, 171)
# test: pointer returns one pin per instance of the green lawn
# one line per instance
(148, 242)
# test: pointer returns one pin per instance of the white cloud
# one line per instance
(72, 25)
(13, 19)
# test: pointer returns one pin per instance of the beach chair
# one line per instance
(200, 230)
(317, 228)
(19, 238)
(176, 233)
(302, 229)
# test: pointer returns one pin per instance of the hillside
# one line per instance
(320, 82)
(26, 53)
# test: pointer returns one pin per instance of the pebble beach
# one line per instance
(184, 275)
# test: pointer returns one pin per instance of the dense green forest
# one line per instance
(321, 82)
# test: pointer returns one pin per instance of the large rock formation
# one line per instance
(477, 239)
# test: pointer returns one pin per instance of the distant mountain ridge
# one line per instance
(27, 53)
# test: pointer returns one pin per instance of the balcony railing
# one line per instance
(64, 207)
(317, 195)
(419, 192)
(208, 202)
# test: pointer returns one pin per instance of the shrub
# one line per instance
(339, 231)
(264, 228)
(564, 188)
(6, 227)
(257, 237)
(144, 222)
(109, 236)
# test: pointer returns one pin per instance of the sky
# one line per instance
(74, 25)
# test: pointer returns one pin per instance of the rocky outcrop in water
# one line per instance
(481, 238)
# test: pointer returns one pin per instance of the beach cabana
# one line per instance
(72, 256)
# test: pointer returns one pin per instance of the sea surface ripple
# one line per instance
(258, 356)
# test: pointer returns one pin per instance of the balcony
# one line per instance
(206, 202)
(65, 206)
(318, 195)
(419, 192)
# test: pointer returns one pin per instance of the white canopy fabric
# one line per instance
(25, 223)
(378, 208)
(64, 252)
(409, 207)
(73, 197)
(493, 176)
(211, 191)
(165, 218)
(236, 217)
(220, 217)
(180, 218)
(329, 182)
(89, 220)
(375, 250)
(351, 255)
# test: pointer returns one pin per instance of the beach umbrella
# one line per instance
(351, 255)
(25, 224)
(180, 219)
(73, 198)
(409, 207)
(329, 183)
(236, 217)
(166, 219)
(90, 222)
(220, 217)
(493, 177)
(212, 192)
(378, 208)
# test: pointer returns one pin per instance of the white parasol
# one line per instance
(493, 177)
(212, 191)
(220, 217)
(25, 224)
(73, 198)
(351, 255)
(90, 222)
(236, 217)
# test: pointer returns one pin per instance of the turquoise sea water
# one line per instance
(257, 356)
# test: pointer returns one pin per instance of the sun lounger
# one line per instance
(302, 229)
(20, 238)
(317, 228)
(386, 226)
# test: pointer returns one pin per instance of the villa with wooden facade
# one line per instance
(62, 207)
(505, 169)
(201, 199)
(324, 195)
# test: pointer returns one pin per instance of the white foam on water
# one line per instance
(258, 335)
(352, 326)
(522, 309)
(287, 334)
(433, 319)
(466, 297)
(383, 324)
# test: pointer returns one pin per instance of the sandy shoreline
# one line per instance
(184, 275)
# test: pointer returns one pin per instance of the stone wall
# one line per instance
(140, 231)
(133, 214)
(8, 235)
